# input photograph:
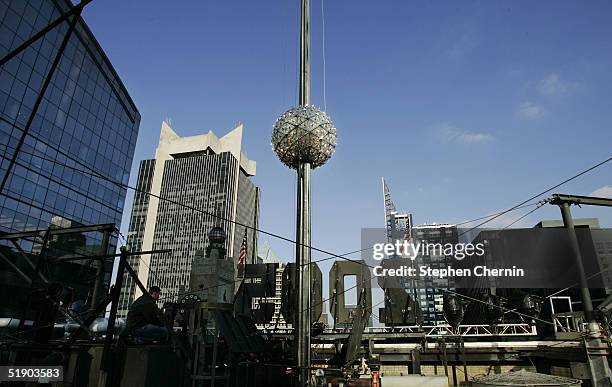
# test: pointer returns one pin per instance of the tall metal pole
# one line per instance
(305, 54)
(568, 221)
(302, 320)
(106, 363)
(98, 284)
(597, 358)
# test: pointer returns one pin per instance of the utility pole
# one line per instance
(594, 348)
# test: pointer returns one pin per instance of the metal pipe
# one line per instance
(23, 255)
(303, 237)
(105, 367)
(305, 54)
(135, 278)
(42, 256)
(465, 371)
(18, 271)
(568, 221)
(99, 271)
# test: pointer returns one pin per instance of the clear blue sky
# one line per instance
(466, 107)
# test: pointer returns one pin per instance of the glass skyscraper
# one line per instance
(432, 291)
(86, 121)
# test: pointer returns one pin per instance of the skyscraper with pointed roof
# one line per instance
(204, 181)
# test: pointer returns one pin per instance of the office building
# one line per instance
(86, 121)
(277, 323)
(205, 182)
(431, 291)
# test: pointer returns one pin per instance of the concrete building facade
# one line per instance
(203, 181)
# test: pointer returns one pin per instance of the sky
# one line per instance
(465, 107)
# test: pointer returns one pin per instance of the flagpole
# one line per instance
(242, 260)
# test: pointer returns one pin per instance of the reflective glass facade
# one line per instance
(86, 121)
(431, 295)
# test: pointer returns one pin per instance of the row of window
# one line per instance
(81, 116)
(107, 193)
(21, 19)
(106, 155)
(17, 215)
(52, 200)
(56, 110)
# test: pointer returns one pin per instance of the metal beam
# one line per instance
(41, 258)
(40, 97)
(106, 374)
(77, 8)
(143, 289)
(98, 284)
(25, 258)
(80, 258)
(60, 231)
(17, 269)
(559, 199)
(91, 316)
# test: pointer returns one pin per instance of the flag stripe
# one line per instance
(243, 249)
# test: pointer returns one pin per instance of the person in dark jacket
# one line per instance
(144, 319)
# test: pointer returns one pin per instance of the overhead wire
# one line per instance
(539, 205)
(127, 186)
(331, 255)
(491, 215)
(577, 284)
(505, 310)
(342, 256)
(312, 247)
(540, 194)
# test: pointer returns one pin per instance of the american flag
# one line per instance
(243, 249)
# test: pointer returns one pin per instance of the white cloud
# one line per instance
(450, 133)
(603, 192)
(553, 85)
(466, 42)
(530, 110)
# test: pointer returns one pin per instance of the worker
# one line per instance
(145, 320)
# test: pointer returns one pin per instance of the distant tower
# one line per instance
(304, 138)
(398, 225)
